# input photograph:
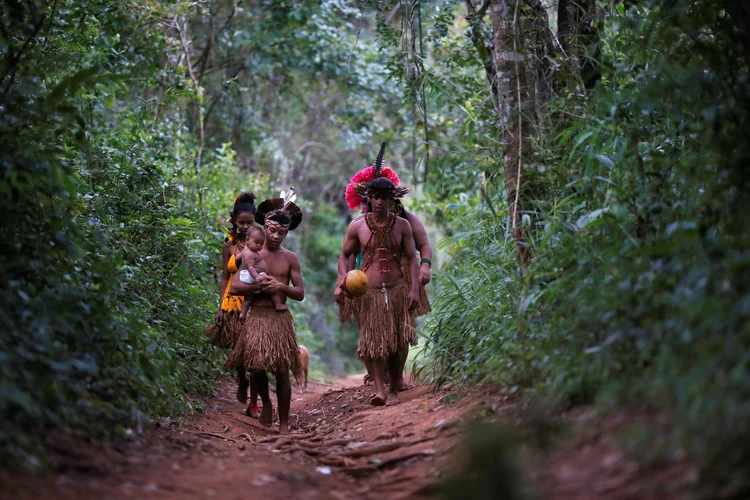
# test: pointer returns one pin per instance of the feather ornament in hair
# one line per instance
(379, 161)
(280, 204)
(289, 197)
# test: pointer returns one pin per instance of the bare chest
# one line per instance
(277, 266)
(379, 239)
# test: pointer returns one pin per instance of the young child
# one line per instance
(252, 268)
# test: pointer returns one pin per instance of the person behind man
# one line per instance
(223, 332)
(425, 266)
(383, 313)
(267, 342)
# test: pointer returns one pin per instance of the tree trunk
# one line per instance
(520, 76)
(513, 92)
(482, 44)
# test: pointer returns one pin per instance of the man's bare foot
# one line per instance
(403, 386)
(391, 398)
(377, 400)
(283, 428)
(281, 307)
(242, 391)
(266, 415)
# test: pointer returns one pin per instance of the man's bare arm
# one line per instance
(242, 289)
(423, 247)
(297, 290)
(346, 264)
(421, 240)
(347, 260)
(410, 250)
(350, 249)
(226, 253)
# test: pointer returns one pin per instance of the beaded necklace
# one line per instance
(381, 239)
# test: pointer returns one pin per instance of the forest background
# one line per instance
(582, 165)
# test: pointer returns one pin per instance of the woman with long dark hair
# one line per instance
(223, 333)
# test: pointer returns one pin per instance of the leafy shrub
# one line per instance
(637, 291)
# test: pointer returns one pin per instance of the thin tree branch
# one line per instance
(17, 58)
(51, 19)
(422, 95)
(221, 94)
(359, 30)
(199, 93)
(520, 124)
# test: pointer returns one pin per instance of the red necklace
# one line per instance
(381, 239)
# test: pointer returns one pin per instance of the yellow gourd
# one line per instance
(356, 283)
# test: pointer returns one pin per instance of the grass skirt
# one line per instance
(384, 329)
(346, 309)
(266, 341)
(223, 334)
(424, 306)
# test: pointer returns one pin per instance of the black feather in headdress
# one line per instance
(379, 160)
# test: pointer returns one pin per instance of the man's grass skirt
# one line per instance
(348, 306)
(346, 309)
(266, 341)
(223, 333)
(384, 327)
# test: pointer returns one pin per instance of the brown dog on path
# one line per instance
(303, 363)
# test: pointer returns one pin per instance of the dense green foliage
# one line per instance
(104, 266)
(637, 291)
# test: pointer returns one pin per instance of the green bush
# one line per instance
(637, 291)
(105, 288)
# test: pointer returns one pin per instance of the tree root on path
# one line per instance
(366, 451)
(312, 449)
(280, 444)
(324, 444)
(211, 434)
(335, 461)
(374, 467)
(271, 439)
(243, 422)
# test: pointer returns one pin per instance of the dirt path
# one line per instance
(341, 448)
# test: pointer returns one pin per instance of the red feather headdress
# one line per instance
(357, 188)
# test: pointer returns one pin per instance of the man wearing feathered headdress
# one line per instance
(267, 342)
(384, 312)
(347, 305)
